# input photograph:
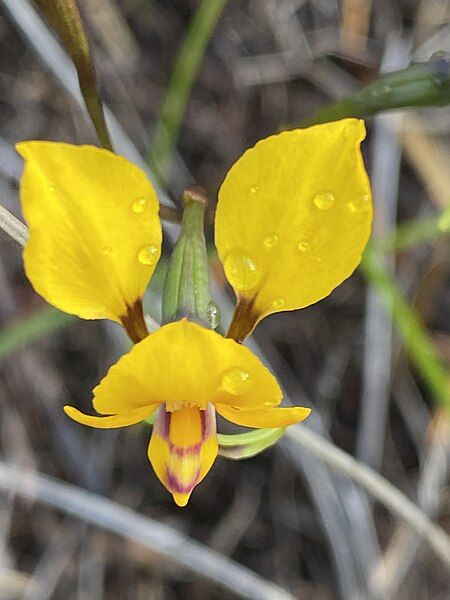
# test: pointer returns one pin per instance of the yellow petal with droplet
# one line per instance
(184, 363)
(308, 190)
(95, 234)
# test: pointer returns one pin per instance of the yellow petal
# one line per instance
(294, 215)
(111, 421)
(185, 363)
(95, 235)
(183, 448)
(269, 417)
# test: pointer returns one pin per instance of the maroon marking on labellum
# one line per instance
(208, 418)
(175, 485)
(182, 451)
(162, 428)
(162, 422)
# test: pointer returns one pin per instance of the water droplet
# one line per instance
(106, 250)
(139, 206)
(278, 303)
(362, 203)
(254, 189)
(324, 200)
(241, 270)
(319, 259)
(148, 255)
(236, 381)
(303, 246)
(271, 240)
(52, 188)
(213, 314)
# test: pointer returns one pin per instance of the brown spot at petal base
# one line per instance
(244, 320)
(134, 322)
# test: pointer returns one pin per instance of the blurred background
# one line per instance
(189, 86)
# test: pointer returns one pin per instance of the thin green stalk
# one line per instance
(65, 18)
(181, 82)
(408, 323)
(417, 231)
(423, 84)
(31, 328)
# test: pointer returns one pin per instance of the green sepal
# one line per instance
(186, 290)
(246, 445)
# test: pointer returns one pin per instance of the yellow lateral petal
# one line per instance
(183, 448)
(270, 417)
(185, 363)
(294, 215)
(110, 421)
(95, 234)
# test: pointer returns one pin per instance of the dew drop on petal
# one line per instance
(139, 205)
(235, 381)
(278, 303)
(213, 314)
(365, 198)
(254, 189)
(352, 207)
(324, 200)
(241, 270)
(271, 240)
(303, 246)
(148, 255)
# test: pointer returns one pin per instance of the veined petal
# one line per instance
(184, 363)
(95, 234)
(269, 417)
(111, 421)
(183, 448)
(293, 217)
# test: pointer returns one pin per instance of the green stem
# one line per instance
(424, 84)
(180, 84)
(417, 342)
(65, 18)
(32, 328)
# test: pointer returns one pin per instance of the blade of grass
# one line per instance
(13, 227)
(415, 338)
(417, 231)
(180, 84)
(32, 328)
(160, 539)
(376, 485)
(424, 84)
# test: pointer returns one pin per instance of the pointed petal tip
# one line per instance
(181, 499)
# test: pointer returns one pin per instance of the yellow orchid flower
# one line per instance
(186, 372)
(293, 217)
